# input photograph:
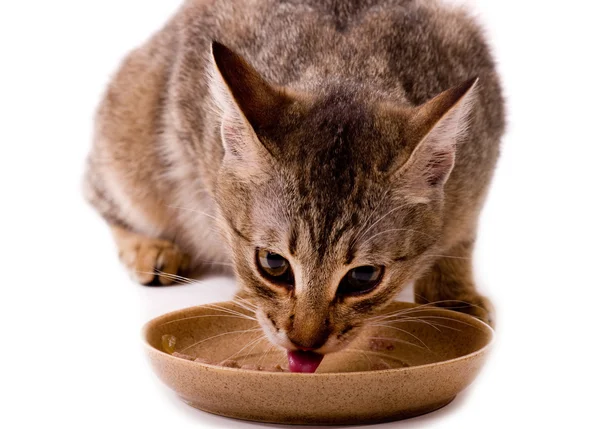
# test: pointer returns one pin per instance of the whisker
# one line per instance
(348, 350)
(206, 262)
(182, 280)
(434, 325)
(422, 317)
(411, 319)
(194, 211)
(265, 354)
(380, 219)
(424, 307)
(451, 257)
(248, 344)
(248, 302)
(393, 230)
(370, 216)
(220, 335)
(251, 310)
(450, 319)
(204, 315)
(249, 353)
(177, 277)
(405, 331)
(397, 340)
(246, 305)
(229, 311)
(442, 305)
(422, 297)
(413, 312)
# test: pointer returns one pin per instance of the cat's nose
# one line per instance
(308, 341)
(309, 327)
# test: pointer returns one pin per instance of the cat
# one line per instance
(329, 152)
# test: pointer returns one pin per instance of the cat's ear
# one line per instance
(436, 127)
(247, 100)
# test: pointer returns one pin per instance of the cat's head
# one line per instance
(332, 201)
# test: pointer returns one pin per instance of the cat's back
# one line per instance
(411, 49)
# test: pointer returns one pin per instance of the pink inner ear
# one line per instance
(441, 121)
(232, 136)
(438, 168)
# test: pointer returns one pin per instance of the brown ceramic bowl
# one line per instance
(434, 355)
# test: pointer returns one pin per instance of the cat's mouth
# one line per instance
(304, 361)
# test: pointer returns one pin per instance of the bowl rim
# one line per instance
(471, 319)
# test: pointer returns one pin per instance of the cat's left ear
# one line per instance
(436, 127)
(249, 103)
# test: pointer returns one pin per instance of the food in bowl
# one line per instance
(298, 361)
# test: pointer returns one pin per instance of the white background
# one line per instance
(69, 350)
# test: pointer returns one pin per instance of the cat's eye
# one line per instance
(274, 267)
(360, 280)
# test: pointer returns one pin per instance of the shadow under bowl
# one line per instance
(432, 354)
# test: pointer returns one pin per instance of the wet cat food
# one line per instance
(380, 345)
(230, 363)
(276, 368)
(168, 343)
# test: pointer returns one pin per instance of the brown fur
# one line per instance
(337, 133)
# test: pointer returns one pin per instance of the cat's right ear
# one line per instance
(248, 102)
(436, 127)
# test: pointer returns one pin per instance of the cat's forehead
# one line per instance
(319, 223)
(340, 132)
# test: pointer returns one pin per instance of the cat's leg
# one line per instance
(150, 261)
(449, 283)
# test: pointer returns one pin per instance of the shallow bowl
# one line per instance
(432, 354)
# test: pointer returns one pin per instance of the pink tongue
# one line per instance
(304, 361)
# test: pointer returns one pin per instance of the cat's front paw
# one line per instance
(153, 261)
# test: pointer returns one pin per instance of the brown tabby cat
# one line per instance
(343, 148)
